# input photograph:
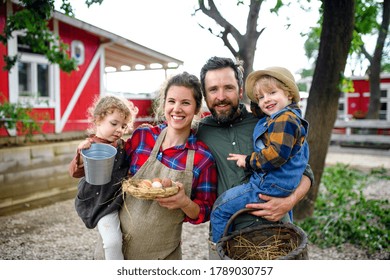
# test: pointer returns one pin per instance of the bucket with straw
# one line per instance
(279, 241)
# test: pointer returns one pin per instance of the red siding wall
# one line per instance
(359, 100)
(3, 50)
(69, 82)
(3, 74)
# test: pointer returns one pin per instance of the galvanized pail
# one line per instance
(98, 163)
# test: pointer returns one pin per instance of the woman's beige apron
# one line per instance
(149, 230)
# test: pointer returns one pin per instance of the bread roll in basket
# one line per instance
(150, 189)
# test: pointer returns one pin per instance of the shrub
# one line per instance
(343, 214)
(19, 117)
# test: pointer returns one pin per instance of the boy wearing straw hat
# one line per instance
(281, 151)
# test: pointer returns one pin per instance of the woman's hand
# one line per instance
(176, 201)
(180, 201)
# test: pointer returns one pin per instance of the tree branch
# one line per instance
(366, 53)
(383, 30)
(214, 13)
(226, 41)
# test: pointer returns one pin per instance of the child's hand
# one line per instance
(86, 144)
(239, 158)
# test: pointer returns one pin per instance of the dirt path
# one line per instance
(56, 232)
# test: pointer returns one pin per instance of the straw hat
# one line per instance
(280, 73)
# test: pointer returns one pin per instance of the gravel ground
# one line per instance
(56, 232)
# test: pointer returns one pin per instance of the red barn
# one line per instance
(355, 104)
(352, 109)
(65, 97)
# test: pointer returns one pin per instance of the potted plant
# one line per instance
(18, 119)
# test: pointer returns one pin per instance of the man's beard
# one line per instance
(225, 117)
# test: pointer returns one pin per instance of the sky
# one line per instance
(169, 27)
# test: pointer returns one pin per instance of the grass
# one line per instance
(344, 215)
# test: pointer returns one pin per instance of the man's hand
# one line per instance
(274, 209)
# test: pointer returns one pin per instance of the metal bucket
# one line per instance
(98, 163)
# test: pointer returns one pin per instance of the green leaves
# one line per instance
(33, 21)
(278, 5)
(367, 12)
(344, 215)
(21, 118)
(90, 2)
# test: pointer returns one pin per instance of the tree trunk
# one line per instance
(375, 67)
(375, 92)
(321, 112)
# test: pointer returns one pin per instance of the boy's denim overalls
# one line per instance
(280, 182)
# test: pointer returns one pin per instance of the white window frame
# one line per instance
(343, 100)
(386, 87)
(34, 60)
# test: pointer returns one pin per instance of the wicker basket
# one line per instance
(269, 241)
(132, 187)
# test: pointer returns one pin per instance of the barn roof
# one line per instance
(121, 53)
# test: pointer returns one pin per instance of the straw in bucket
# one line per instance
(98, 163)
(263, 242)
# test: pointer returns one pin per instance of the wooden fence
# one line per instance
(374, 132)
